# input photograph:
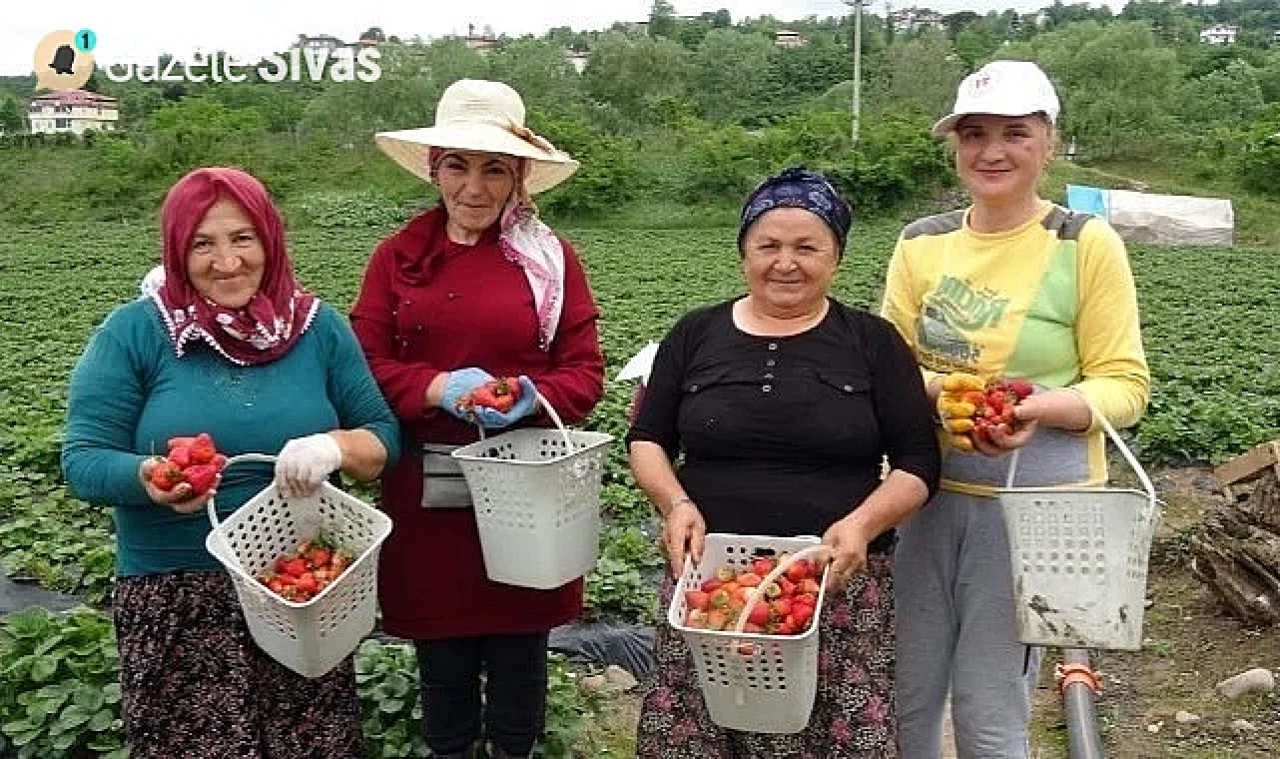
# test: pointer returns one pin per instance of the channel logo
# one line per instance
(64, 59)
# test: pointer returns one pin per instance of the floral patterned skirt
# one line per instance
(196, 686)
(853, 714)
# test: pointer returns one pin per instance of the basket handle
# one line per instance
(211, 509)
(551, 412)
(818, 552)
(1115, 438)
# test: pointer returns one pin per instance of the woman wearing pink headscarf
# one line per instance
(228, 344)
(473, 289)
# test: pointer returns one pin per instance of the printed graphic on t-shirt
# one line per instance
(952, 313)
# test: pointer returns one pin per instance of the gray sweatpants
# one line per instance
(954, 594)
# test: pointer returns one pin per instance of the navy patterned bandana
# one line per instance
(798, 187)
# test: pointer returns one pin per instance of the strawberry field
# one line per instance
(1211, 322)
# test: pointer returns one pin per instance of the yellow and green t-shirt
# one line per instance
(1052, 300)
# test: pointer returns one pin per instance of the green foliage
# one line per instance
(337, 209)
(626, 73)
(733, 74)
(1260, 166)
(390, 707)
(59, 690)
(609, 173)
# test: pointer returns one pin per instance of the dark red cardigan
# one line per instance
(429, 305)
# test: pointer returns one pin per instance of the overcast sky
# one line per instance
(141, 29)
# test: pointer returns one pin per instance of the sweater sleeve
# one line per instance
(574, 383)
(373, 319)
(901, 304)
(1113, 366)
(108, 392)
(902, 407)
(355, 394)
(657, 418)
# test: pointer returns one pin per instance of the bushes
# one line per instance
(609, 175)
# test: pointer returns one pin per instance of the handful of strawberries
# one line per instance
(311, 567)
(787, 607)
(193, 460)
(971, 408)
(499, 394)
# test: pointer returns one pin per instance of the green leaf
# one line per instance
(43, 668)
(65, 741)
(17, 726)
(391, 705)
(102, 720)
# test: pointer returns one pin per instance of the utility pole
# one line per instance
(857, 68)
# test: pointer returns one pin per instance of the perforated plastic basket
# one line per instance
(313, 637)
(536, 495)
(768, 685)
(1079, 559)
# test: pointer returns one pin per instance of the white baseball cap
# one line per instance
(1003, 88)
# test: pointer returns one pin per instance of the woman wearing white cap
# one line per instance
(1011, 286)
(473, 289)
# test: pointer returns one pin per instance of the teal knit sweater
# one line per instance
(130, 393)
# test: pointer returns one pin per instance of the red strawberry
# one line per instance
(762, 567)
(180, 442)
(759, 614)
(219, 461)
(201, 477)
(203, 449)
(166, 475)
(294, 567)
(1021, 388)
(319, 557)
(180, 455)
(710, 585)
(798, 571)
(696, 599)
(307, 583)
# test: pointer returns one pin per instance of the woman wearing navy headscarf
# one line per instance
(783, 402)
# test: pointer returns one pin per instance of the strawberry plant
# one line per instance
(59, 689)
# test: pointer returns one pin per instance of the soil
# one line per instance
(1190, 644)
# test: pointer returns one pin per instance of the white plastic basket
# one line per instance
(769, 684)
(536, 495)
(312, 637)
(1079, 557)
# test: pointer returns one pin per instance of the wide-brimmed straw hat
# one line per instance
(483, 116)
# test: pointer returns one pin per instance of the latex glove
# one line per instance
(458, 385)
(305, 462)
(492, 419)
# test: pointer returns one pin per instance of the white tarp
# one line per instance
(1162, 219)
(640, 364)
(1171, 219)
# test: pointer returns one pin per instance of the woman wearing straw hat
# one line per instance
(1010, 286)
(475, 288)
(225, 342)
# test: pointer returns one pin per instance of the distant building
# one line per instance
(1275, 37)
(73, 111)
(482, 42)
(1220, 34)
(319, 42)
(785, 38)
(577, 60)
(916, 19)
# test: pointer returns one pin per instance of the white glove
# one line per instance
(305, 462)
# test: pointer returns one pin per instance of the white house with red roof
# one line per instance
(73, 111)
